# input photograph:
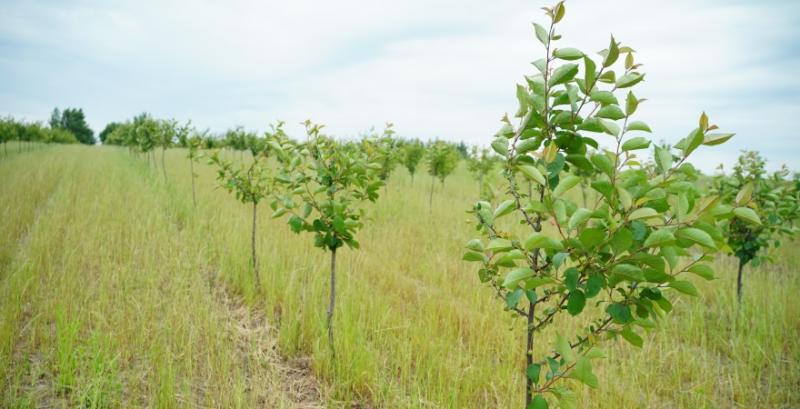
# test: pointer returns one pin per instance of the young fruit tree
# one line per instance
(194, 145)
(250, 183)
(383, 151)
(614, 264)
(442, 161)
(326, 185)
(480, 163)
(759, 210)
(411, 153)
(167, 132)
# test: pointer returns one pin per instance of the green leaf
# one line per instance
(523, 98)
(638, 126)
(538, 402)
(504, 208)
(643, 213)
(528, 145)
(613, 53)
(532, 173)
(513, 297)
(576, 302)
(590, 71)
(629, 271)
(538, 240)
(691, 142)
(663, 158)
(636, 143)
(631, 103)
(534, 282)
(499, 244)
(534, 370)
(592, 237)
(473, 256)
(563, 348)
(563, 74)
(604, 97)
(296, 223)
(747, 214)
(702, 270)
(515, 275)
(500, 145)
(685, 287)
(541, 34)
(629, 80)
(566, 184)
(632, 337)
(714, 139)
(620, 313)
(475, 245)
(659, 238)
(579, 218)
(603, 163)
(612, 112)
(583, 373)
(568, 53)
(697, 236)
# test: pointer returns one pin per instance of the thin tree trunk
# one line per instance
(529, 354)
(583, 193)
(253, 246)
(194, 195)
(739, 282)
(332, 303)
(163, 163)
(430, 198)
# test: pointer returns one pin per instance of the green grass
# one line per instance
(109, 297)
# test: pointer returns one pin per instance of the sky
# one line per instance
(436, 69)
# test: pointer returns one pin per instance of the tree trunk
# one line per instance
(332, 303)
(739, 282)
(253, 247)
(430, 198)
(163, 163)
(194, 195)
(529, 354)
(583, 193)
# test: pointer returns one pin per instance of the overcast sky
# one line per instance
(436, 69)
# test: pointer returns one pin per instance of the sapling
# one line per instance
(326, 185)
(194, 144)
(167, 131)
(480, 163)
(751, 195)
(250, 184)
(442, 160)
(411, 154)
(382, 150)
(614, 263)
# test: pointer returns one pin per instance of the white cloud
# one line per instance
(436, 69)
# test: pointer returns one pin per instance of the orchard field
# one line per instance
(116, 291)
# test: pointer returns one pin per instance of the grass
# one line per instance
(109, 297)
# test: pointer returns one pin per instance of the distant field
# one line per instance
(116, 292)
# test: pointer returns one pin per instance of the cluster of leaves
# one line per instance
(615, 263)
(323, 182)
(383, 150)
(16, 130)
(755, 196)
(411, 154)
(442, 159)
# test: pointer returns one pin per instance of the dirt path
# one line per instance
(274, 381)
